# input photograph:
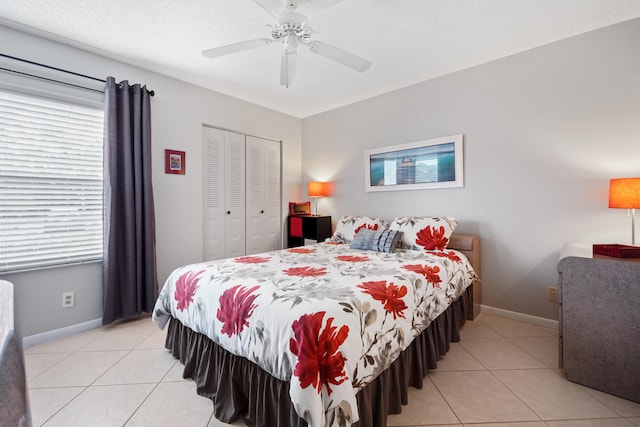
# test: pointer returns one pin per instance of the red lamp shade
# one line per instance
(624, 193)
(317, 189)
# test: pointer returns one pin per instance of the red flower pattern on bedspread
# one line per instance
(389, 295)
(449, 255)
(305, 271)
(430, 273)
(352, 258)
(236, 306)
(320, 362)
(367, 226)
(301, 250)
(251, 259)
(186, 287)
(432, 238)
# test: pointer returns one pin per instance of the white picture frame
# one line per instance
(420, 165)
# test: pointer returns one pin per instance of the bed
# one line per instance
(320, 335)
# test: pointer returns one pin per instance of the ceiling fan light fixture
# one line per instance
(290, 43)
(292, 31)
(288, 67)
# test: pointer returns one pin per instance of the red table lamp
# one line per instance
(624, 193)
(317, 189)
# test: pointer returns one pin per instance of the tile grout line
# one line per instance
(128, 351)
(440, 392)
(92, 384)
(87, 387)
(498, 379)
(64, 406)
(156, 385)
(50, 367)
(508, 388)
(560, 419)
(111, 367)
(516, 394)
(141, 403)
(530, 354)
(70, 353)
(444, 398)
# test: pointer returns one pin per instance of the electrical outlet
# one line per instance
(68, 299)
(553, 294)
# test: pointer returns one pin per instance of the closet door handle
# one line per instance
(228, 212)
(261, 212)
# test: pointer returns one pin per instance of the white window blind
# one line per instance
(50, 183)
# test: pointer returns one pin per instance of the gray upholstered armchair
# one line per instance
(14, 399)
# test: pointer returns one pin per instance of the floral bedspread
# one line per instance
(325, 317)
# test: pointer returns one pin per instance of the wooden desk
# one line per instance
(300, 227)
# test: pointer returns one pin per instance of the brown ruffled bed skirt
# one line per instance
(240, 388)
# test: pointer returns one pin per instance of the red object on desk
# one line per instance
(295, 227)
(299, 208)
(617, 251)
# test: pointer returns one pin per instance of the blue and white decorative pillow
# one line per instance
(377, 240)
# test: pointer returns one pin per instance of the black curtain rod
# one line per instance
(151, 92)
(50, 80)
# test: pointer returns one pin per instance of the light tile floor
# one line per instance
(503, 373)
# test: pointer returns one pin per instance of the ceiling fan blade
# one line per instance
(272, 7)
(340, 56)
(277, 8)
(235, 47)
(312, 7)
(288, 68)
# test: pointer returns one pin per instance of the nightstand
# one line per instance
(300, 227)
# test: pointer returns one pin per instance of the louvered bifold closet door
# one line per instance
(273, 196)
(263, 195)
(213, 194)
(224, 194)
(255, 195)
(234, 188)
(50, 183)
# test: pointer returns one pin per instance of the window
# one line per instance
(50, 182)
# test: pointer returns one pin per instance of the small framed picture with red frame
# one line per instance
(174, 162)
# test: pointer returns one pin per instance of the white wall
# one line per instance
(544, 132)
(178, 112)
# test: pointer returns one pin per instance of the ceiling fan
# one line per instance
(292, 31)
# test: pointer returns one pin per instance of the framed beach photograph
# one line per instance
(428, 164)
(174, 162)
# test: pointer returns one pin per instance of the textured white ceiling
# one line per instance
(408, 41)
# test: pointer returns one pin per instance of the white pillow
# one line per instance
(425, 233)
(349, 225)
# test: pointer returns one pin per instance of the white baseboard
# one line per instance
(540, 321)
(36, 339)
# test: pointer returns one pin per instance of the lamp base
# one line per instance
(633, 225)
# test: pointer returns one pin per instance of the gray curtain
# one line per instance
(129, 277)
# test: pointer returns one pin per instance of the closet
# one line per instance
(242, 186)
